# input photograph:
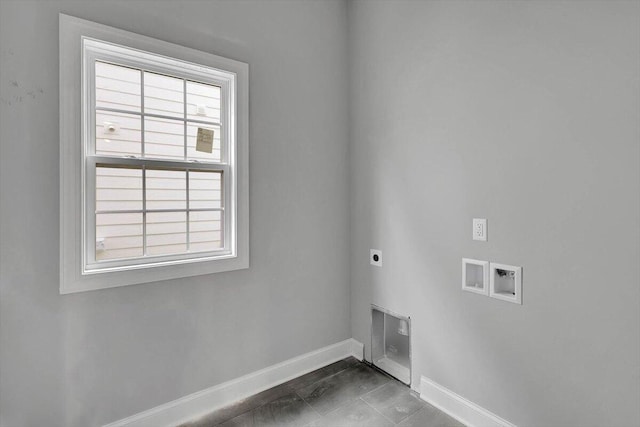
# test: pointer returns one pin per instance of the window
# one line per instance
(154, 147)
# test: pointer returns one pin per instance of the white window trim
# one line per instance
(77, 275)
(97, 50)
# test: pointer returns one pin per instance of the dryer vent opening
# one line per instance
(391, 343)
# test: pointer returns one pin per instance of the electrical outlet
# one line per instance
(479, 229)
(375, 257)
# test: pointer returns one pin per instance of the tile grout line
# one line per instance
(320, 418)
(322, 379)
(385, 384)
(328, 376)
(309, 405)
(375, 389)
(378, 412)
(352, 400)
(292, 390)
(259, 406)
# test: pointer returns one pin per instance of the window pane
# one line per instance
(163, 138)
(205, 190)
(205, 231)
(117, 134)
(163, 95)
(166, 233)
(202, 152)
(117, 87)
(166, 189)
(118, 189)
(118, 236)
(203, 102)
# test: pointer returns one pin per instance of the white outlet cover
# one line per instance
(479, 230)
(375, 257)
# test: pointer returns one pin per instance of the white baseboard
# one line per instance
(458, 407)
(202, 402)
(357, 350)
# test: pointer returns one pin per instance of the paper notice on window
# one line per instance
(204, 140)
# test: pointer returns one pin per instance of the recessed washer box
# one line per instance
(475, 276)
(505, 282)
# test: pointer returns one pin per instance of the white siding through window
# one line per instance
(120, 234)
(118, 88)
(160, 221)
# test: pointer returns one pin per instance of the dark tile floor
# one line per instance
(347, 393)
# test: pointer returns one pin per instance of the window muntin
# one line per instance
(145, 117)
(175, 211)
(161, 120)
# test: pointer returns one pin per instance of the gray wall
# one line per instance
(525, 113)
(91, 358)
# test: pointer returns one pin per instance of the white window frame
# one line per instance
(96, 50)
(81, 43)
